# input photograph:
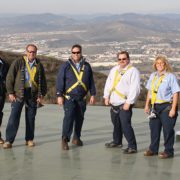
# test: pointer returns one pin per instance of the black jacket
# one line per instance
(3, 72)
(15, 80)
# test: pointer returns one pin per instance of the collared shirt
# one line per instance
(27, 76)
(129, 85)
(78, 65)
(167, 88)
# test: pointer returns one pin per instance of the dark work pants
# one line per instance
(2, 101)
(117, 130)
(162, 121)
(14, 119)
(73, 116)
(128, 132)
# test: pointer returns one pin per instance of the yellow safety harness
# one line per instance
(117, 79)
(154, 90)
(31, 72)
(79, 80)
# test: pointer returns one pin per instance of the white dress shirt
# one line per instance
(129, 85)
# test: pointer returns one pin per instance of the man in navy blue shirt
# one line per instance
(3, 72)
(74, 80)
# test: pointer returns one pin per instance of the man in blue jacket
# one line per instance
(74, 80)
(3, 72)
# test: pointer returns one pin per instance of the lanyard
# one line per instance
(154, 88)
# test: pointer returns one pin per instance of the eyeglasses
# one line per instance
(122, 59)
(160, 63)
(78, 52)
(34, 52)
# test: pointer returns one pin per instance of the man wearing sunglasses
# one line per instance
(121, 91)
(74, 80)
(26, 84)
(3, 72)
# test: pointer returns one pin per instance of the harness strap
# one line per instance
(31, 72)
(79, 79)
(117, 79)
(154, 90)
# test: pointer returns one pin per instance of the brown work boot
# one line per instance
(164, 155)
(77, 142)
(1, 141)
(149, 153)
(65, 144)
(30, 143)
(7, 145)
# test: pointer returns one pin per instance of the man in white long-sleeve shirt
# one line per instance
(121, 91)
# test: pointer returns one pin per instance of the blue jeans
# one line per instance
(162, 121)
(117, 130)
(128, 132)
(73, 117)
(14, 119)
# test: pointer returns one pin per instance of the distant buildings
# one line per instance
(100, 55)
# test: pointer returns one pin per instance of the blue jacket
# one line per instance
(66, 78)
(3, 72)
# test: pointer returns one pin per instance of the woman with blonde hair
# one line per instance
(161, 106)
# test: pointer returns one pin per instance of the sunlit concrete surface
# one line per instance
(46, 161)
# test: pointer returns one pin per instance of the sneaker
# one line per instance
(1, 141)
(65, 144)
(77, 142)
(130, 151)
(113, 145)
(164, 155)
(7, 145)
(149, 153)
(30, 143)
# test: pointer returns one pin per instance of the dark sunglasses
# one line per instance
(78, 52)
(34, 52)
(123, 59)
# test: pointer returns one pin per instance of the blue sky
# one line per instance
(89, 6)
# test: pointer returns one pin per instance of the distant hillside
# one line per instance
(120, 27)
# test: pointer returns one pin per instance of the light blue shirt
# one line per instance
(167, 88)
(77, 65)
(27, 76)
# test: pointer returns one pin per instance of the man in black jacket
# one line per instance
(3, 72)
(26, 85)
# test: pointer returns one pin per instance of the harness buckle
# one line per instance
(79, 82)
(67, 97)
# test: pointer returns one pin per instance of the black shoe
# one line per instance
(112, 145)
(130, 151)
